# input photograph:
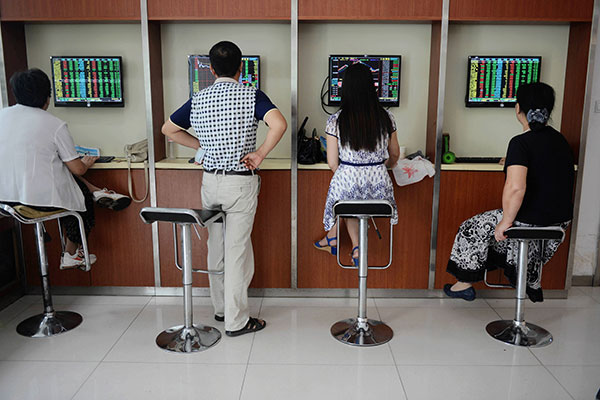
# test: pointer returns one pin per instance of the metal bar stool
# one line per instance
(517, 332)
(361, 331)
(50, 322)
(189, 337)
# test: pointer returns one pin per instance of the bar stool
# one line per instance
(50, 322)
(361, 331)
(189, 337)
(517, 332)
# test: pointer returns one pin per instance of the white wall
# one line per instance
(271, 41)
(110, 129)
(588, 225)
(487, 131)
(412, 41)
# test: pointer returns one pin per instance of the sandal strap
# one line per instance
(356, 248)
(253, 323)
(330, 240)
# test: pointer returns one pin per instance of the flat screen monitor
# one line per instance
(201, 77)
(492, 81)
(386, 75)
(87, 81)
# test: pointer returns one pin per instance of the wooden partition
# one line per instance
(122, 243)
(467, 193)
(516, 10)
(186, 10)
(69, 10)
(409, 270)
(270, 236)
(394, 10)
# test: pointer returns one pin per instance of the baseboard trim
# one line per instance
(582, 280)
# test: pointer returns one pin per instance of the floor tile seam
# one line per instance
(318, 364)
(557, 381)
(163, 362)
(85, 380)
(473, 365)
(108, 352)
(250, 352)
(398, 371)
(52, 361)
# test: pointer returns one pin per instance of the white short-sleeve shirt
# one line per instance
(34, 146)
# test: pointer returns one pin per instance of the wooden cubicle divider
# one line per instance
(186, 10)
(70, 10)
(15, 51)
(156, 87)
(467, 193)
(574, 90)
(434, 79)
(378, 10)
(409, 270)
(516, 10)
(271, 232)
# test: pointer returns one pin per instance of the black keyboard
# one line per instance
(478, 160)
(105, 159)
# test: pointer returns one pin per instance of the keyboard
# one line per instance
(478, 160)
(105, 159)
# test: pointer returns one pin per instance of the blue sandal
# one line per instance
(329, 248)
(354, 259)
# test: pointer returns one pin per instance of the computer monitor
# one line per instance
(492, 81)
(200, 76)
(386, 75)
(87, 81)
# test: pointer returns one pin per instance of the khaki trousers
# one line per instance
(230, 246)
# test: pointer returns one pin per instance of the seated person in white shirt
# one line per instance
(39, 166)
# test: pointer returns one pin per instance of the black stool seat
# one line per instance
(535, 233)
(363, 208)
(180, 215)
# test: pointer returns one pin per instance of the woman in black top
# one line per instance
(537, 192)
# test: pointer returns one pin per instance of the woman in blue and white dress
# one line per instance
(361, 143)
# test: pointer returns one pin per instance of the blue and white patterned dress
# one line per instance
(359, 182)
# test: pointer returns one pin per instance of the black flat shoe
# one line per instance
(467, 294)
(253, 325)
(219, 318)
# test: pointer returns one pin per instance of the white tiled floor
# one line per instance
(439, 350)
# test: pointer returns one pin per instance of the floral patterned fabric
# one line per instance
(363, 182)
(475, 249)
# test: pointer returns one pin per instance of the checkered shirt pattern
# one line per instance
(222, 116)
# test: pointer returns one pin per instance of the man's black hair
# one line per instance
(225, 58)
(31, 88)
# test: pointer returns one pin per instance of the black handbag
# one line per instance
(309, 148)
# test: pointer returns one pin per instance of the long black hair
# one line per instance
(536, 101)
(362, 122)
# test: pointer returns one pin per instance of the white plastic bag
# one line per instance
(412, 171)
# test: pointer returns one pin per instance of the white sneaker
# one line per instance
(77, 260)
(111, 199)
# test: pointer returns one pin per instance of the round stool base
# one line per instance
(348, 332)
(527, 335)
(180, 339)
(49, 324)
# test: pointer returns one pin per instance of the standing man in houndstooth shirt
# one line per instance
(225, 117)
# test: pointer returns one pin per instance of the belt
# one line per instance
(361, 165)
(224, 172)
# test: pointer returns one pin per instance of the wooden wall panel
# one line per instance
(120, 240)
(270, 236)
(156, 87)
(409, 270)
(370, 10)
(15, 52)
(467, 193)
(434, 79)
(219, 10)
(575, 83)
(69, 10)
(515, 10)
